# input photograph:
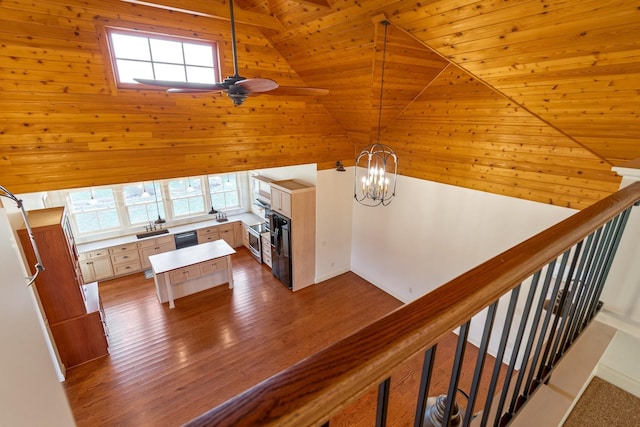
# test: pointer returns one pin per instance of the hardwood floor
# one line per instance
(168, 366)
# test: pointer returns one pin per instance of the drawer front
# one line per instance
(225, 228)
(127, 267)
(166, 247)
(99, 253)
(157, 241)
(207, 231)
(183, 274)
(123, 248)
(266, 256)
(125, 257)
(208, 238)
(166, 240)
(213, 265)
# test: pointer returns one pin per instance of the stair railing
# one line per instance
(551, 284)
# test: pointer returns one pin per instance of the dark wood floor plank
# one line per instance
(167, 366)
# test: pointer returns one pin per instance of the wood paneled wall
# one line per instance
(530, 99)
(535, 110)
(65, 125)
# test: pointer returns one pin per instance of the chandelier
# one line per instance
(377, 165)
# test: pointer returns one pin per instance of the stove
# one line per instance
(255, 242)
(263, 227)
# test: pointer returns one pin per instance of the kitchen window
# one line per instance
(186, 196)
(143, 202)
(136, 54)
(94, 210)
(224, 191)
(101, 212)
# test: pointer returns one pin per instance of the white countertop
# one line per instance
(167, 261)
(247, 218)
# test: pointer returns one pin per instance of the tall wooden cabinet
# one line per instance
(297, 201)
(72, 309)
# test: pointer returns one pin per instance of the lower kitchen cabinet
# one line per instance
(266, 248)
(95, 265)
(227, 234)
(154, 246)
(125, 259)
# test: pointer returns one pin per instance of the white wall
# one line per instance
(432, 233)
(334, 210)
(30, 394)
(621, 295)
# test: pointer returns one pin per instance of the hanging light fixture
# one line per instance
(377, 164)
(92, 201)
(160, 220)
(212, 211)
(145, 193)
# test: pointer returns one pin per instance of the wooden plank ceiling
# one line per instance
(531, 99)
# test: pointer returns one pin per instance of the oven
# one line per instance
(255, 245)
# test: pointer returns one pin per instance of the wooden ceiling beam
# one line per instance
(214, 10)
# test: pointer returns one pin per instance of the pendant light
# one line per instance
(160, 220)
(92, 201)
(145, 193)
(377, 164)
(212, 211)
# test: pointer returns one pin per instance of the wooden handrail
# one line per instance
(318, 387)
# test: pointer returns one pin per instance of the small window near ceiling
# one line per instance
(151, 56)
(224, 190)
(94, 210)
(186, 196)
(143, 202)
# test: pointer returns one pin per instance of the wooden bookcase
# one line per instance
(72, 310)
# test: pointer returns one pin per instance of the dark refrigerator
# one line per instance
(281, 249)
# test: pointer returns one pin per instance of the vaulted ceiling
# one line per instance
(531, 99)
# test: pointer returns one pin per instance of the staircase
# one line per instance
(607, 354)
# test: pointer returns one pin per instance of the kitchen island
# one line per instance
(185, 271)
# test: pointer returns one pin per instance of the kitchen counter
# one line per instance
(246, 218)
(193, 269)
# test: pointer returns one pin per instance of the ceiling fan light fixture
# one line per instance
(376, 168)
(237, 87)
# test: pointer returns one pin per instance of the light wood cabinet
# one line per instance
(154, 246)
(280, 200)
(238, 229)
(297, 201)
(245, 236)
(208, 234)
(266, 248)
(95, 265)
(71, 311)
(125, 259)
(227, 234)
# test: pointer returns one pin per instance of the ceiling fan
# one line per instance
(237, 87)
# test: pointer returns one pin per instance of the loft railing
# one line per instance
(551, 284)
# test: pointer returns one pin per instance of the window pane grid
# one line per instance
(162, 58)
(105, 210)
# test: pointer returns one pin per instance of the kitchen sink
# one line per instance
(152, 233)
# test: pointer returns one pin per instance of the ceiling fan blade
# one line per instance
(298, 91)
(187, 86)
(258, 85)
(179, 90)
